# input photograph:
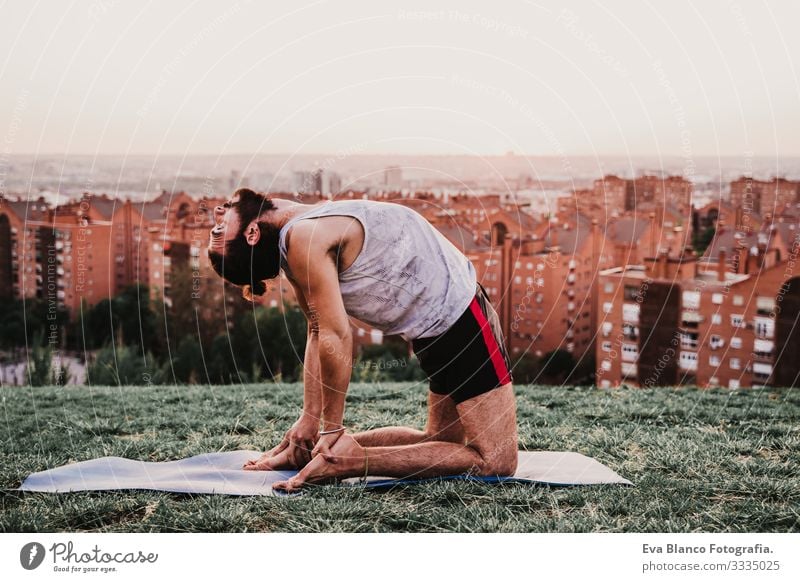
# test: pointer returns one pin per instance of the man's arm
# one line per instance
(312, 386)
(315, 273)
(302, 437)
(294, 450)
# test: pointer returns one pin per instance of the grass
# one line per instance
(702, 461)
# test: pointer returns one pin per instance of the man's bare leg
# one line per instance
(489, 422)
(443, 425)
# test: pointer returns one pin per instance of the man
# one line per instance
(387, 266)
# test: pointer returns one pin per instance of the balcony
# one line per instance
(630, 312)
(691, 319)
(688, 361)
(630, 331)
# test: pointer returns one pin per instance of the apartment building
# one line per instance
(543, 285)
(620, 194)
(726, 319)
(761, 196)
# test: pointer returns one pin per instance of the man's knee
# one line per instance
(499, 462)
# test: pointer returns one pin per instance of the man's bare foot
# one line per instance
(349, 462)
(270, 462)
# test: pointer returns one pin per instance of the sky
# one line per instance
(537, 78)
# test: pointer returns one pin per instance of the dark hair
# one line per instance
(249, 265)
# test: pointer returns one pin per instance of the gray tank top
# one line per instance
(408, 278)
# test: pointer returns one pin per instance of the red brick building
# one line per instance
(763, 197)
(726, 319)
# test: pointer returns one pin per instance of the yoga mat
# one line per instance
(222, 473)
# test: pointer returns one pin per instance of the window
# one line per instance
(716, 342)
(606, 365)
(630, 352)
(738, 300)
(763, 370)
(716, 298)
(737, 320)
(691, 319)
(517, 280)
(689, 340)
(688, 361)
(736, 364)
(607, 326)
(606, 346)
(736, 342)
(630, 331)
(716, 319)
(765, 305)
(631, 293)
(764, 327)
(763, 348)
(608, 287)
(630, 312)
(691, 299)
(607, 307)
(628, 369)
(713, 361)
(733, 383)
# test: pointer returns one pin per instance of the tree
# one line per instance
(222, 367)
(703, 239)
(387, 362)
(278, 343)
(187, 363)
(527, 369)
(556, 366)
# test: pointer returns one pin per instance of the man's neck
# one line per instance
(285, 210)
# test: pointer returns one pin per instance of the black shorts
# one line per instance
(470, 357)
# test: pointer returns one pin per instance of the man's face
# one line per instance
(227, 224)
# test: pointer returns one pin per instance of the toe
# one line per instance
(290, 485)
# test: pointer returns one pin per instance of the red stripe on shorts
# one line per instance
(496, 355)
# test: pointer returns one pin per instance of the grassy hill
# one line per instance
(702, 460)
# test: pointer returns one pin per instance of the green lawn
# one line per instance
(713, 460)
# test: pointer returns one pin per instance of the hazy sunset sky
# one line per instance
(539, 78)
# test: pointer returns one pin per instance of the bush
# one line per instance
(187, 364)
(40, 363)
(123, 365)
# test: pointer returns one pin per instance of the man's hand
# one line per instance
(294, 451)
(324, 446)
